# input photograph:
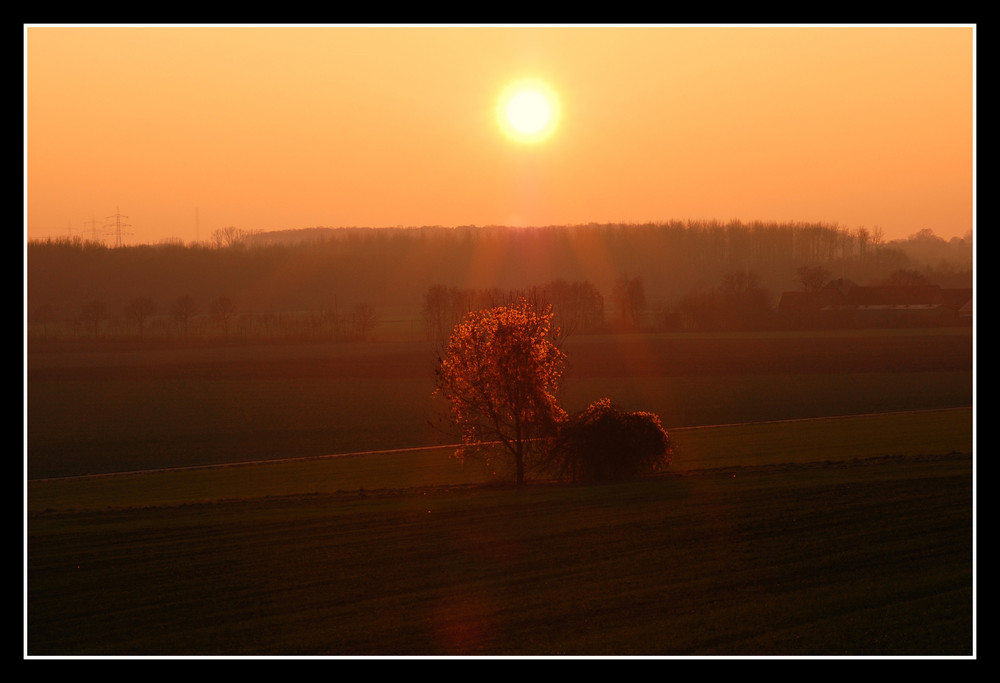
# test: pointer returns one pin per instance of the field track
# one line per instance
(445, 447)
(810, 442)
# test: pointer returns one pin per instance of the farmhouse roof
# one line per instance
(958, 298)
(912, 295)
(792, 302)
(841, 285)
(845, 295)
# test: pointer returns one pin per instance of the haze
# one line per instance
(187, 129)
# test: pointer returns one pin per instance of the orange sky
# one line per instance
(189, 129)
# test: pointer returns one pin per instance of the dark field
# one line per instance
(853, 558)
(847, 536)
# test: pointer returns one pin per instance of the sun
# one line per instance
(528, 111)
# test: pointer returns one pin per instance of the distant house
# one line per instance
(843, 304)
(965, 312)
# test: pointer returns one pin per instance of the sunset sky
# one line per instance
(189, 129)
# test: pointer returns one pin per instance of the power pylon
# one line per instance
(118, 228)
(93, 228)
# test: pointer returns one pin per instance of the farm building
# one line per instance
(843, 304)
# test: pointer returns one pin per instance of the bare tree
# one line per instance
(436, 313)
(231, 236)
(745, 303)
(228, 236)
(363, 320)
(630, 299)
(578, 306)
(906, 277)
(93, 314)
(138, 311)
(812, 278)
(183, 309)
(42, 315)
(223, 309)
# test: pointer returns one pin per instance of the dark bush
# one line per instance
(603, 443)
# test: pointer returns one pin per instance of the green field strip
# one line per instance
(745, 445)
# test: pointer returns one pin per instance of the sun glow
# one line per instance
(528, 111)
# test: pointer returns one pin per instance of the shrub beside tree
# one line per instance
(499, 375)
(604, 443)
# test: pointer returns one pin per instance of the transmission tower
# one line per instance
(118, 228)
(93, 228)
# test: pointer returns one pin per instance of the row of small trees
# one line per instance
(740, 302)
(578, 307)
(302, 270)
(499, 376)
(140, 311)
(143, 318)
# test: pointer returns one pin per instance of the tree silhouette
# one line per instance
(363, 319)
(138, 311)
(93, 314)
(436, 312)
(812, 277)
(630, 299)
(223, 309)
(499, 374)
(183, 309)
(906, 277)
(228, 236)
(578, 306)
(745, 303)
(42, 315)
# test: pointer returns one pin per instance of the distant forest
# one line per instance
(368, 283)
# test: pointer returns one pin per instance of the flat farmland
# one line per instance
(145, 408)
(856, 557)
(821, 503)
